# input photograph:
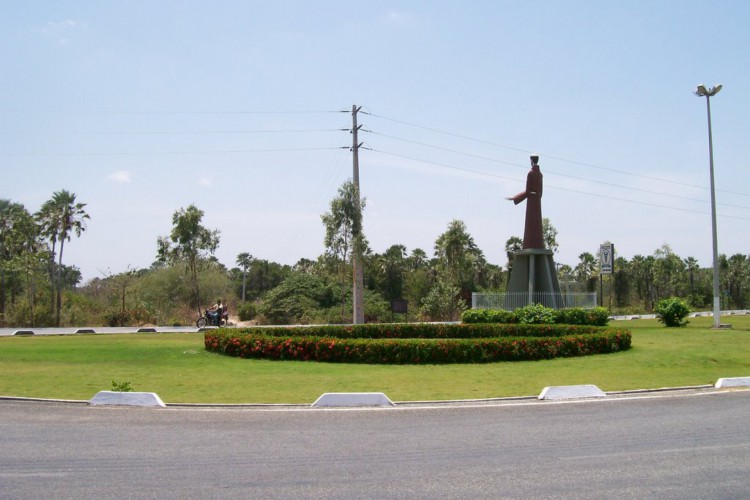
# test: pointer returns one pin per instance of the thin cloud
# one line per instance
(399, 18)
(58, 31)
(58, 25)
(120, 177)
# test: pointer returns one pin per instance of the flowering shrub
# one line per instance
(389, 345)
(421, 330)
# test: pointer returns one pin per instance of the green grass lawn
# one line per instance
(176, 367)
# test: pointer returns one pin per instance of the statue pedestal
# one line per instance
(533, 280)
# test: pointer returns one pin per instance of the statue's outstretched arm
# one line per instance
(517, 198)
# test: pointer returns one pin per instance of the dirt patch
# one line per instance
(235, 321)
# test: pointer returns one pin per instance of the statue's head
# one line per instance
(534, 160)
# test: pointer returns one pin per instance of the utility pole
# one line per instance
(358, 278)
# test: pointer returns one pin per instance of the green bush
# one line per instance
(488, 316)
(535, 314)
(418, 343)
(538, 314)
(121, 386)
(672, 312)
(598, 316)
(247, 311)
(117, 317)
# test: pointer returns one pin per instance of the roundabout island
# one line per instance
(419, 343)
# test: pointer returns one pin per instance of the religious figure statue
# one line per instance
(532, 233)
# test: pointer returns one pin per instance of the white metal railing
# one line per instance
(511, 301)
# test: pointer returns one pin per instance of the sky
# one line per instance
(244, 109)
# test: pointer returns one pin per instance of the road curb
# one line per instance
(454, 403)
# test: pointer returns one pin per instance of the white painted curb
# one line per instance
(733, 382)
(148, 399)
(349, 399)
(556, 393)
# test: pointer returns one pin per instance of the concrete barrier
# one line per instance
(724, 383)
(113, 398)
(352, 399)
(556, 393)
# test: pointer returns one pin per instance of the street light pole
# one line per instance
(701, 91)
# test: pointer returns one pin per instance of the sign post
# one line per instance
(606, 266)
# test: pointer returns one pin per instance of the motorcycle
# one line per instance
(211, 319)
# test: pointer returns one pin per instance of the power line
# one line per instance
(478, 172)
(146, 153)
(547, 170)
(558, 158)
(168, 112)
(172, 132)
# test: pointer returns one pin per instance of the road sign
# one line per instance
(606, 258)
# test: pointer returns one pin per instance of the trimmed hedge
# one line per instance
(418, 343)
(598, 316)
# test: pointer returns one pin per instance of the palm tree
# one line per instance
(738, 271)
(456, 252)
(512, 246)
(391, 266)
(585, 270)
(417, 259)
(692, 266)
(458, 257)
(244, 260)
(549, 234)
(60, 217)
(642, 270)
(49, 229)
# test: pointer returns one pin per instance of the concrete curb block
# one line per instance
(352, 399)
(147, 399)
(556, 393)
(723, 383)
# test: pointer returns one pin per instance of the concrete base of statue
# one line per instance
(533, 280)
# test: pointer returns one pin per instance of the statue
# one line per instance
(533, 278)
(532, 233)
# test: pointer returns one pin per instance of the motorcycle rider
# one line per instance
(216, 312)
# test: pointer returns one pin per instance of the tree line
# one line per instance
(32, 273)
(37, 289)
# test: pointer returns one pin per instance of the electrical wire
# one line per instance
(549, 171)
(558, 158)
(146, 153)
(171, 112)
(479, 172)
(176, 132)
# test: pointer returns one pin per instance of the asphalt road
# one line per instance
(664, 447)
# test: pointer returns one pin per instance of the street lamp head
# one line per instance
(702, 91)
